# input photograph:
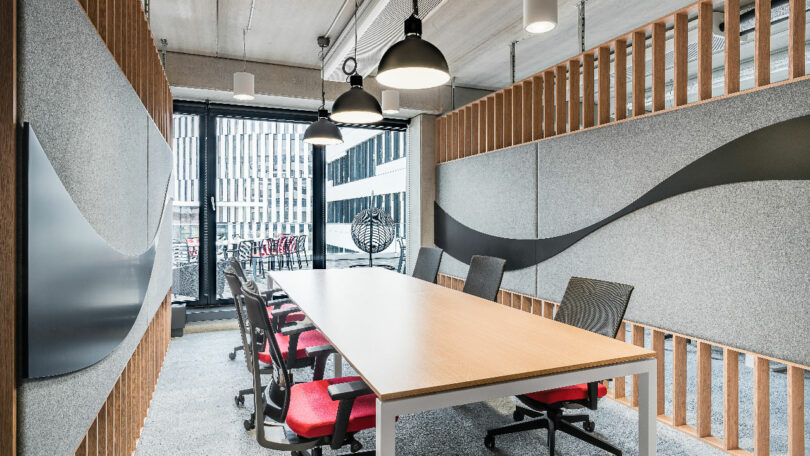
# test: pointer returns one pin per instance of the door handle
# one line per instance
(213, 204)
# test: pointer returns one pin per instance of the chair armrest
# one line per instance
(320, 350)
(296, 329)
(277, 303)
(348, 390)
(284, 312)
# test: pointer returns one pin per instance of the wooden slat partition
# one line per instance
(548, 97)
(588, 90)
(618, 383)
(117, 426)
(795, 381)
(620, 78)
(123, 27)
(482, 123)
(440, 138)
(678, 381)
(658, 348)
(731, 399)
(517, 114)
(467, 131)
(762, 413)
(499, 125)
(491, 133)
(658, 66)
(507, 117)
(573, 95)
(704, 390)
(528, 91)
(462, 133)
(762, 43)
(639, 87)
(537, 107)
(474, 115)
(681, 54)
(731, 15)
(704, 50)
(560, 101)
(604, 84)
(796, 45)
(638, 340)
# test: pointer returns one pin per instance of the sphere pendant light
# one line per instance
(413, 63)
(539, 16)
(356, 106)
(323, 132)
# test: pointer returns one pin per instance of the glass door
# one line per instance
(186, 209)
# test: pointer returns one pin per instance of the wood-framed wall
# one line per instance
(555, 110)
(703, 374)
(8, 227)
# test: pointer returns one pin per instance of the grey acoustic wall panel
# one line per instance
(728, 263)
(494, 193)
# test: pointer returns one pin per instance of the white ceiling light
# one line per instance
(243, 82)
(539, 16)
(390, 101)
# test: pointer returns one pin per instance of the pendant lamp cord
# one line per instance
(323, 90)
(355, 36)
(244, 49)
(416, 8)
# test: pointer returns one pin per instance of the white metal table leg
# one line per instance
(647, 410)
(338, 365)
(386, 430)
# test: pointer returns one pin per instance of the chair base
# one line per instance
(232, 355)
(553, 420)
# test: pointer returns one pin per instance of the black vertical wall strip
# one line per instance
(319, 207)
(208, 221)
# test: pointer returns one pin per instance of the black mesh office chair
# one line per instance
(310, 415)
(427, 263)
(590, 304)
(484, 277)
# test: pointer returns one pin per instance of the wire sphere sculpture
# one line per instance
(373, 230)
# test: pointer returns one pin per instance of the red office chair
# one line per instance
(590, 304)
(308, 416)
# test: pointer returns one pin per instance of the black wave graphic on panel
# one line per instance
(777, 152)
(80, 296)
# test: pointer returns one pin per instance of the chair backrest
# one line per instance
(235, 284)
(427, 263)
(277, 393)
(302, 242)
(245, 250)
(237, 268)
(595, 305)
(484, 277)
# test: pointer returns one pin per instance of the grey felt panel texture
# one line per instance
(729, 264)
(108, 154)
(494, 193)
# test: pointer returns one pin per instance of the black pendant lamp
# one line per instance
(356, 106)
(323, 132)
(413, 63)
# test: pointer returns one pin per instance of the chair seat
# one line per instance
(295, 316)
(565, 394)
(306, 339)
(312, 412)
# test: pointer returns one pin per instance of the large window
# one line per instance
(367, 170)
(186, 208)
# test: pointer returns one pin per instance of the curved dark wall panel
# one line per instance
(83, 296)
(777, 152)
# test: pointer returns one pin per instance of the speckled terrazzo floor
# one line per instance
(193, 413)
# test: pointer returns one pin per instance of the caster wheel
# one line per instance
(248, 425)
(489, 442)
(356, 446)
(589, 426)
(239, 400)
(518, 415)
(232, 356)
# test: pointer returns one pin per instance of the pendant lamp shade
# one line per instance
(539, 16)
(413, 63)
(356, 106)
(390, 101)
(323, 132)
(243, 86)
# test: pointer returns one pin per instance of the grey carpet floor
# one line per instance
(193, 413)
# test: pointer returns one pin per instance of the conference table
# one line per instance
(420, 346)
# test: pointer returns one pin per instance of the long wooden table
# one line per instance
(420, 346)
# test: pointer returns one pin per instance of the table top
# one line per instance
(407, 337)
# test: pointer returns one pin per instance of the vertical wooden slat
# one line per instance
(638, 340)
(440, 137)
(548, 309)
(587, 90)
(762, 415)
(659, 66)
(559, 84)
(795, 381)
(102, 429)
(82, 450)
(462, 133)
(517, 114)
(731, 399)
(537, 307)
(92, 12)
(468, 131)
(482, 125)
(704, 50)
(474, 128)
(618, 382)
(537, 107)
(499, 120)
(453, 154)
(491, 133)
(660, 356)
(528, 92)
(732, 57)
(678, 380)
(704, 389)
(548, 103)
(639, 85)
(525, 303)
(573, 95)
(620, 78)
(604, 84)
(796, 46)
(83, 3)
(762, 43)
(681, 63)
(507, 117)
